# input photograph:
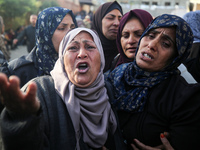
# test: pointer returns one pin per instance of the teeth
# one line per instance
(146, 55)
(83, 65)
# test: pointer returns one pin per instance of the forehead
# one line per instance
(133, 22)
(83, 35)
(67, 19)
(114, 12)
(168, 32)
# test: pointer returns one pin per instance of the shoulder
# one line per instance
(44, 82)
(25, 61)
(177, 89)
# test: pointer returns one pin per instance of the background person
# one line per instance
(106, 23)
(28, 33)
(3, 46)
(193, 61)
(131, 27)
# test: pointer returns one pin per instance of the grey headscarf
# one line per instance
(89, 107)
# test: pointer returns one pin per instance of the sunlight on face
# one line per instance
(82, 60)
(131, 34)
(156, 49)
(110, 24)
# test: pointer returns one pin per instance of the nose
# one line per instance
(82, 53)
(132, 39)
(116, 22)
(153, 44)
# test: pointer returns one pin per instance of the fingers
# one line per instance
(31, 97)
(165, 142)
(14, 99)
(143, 146)
(134, 147)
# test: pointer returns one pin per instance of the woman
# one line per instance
(3, 46)
(106, 22)
(193, 61)
(52, 24)
(131, 27)
(150, 95)
(72, 110)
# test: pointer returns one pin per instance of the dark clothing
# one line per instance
(109, 46)
(29, 34)
(3, 49)
(24, 67)
(193, 62)
(52, 128)
(172, 106)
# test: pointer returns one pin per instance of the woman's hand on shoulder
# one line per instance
(14, 99)
(165, 144)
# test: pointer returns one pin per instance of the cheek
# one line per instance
(123, 43)
(68, 63)
(97, 63)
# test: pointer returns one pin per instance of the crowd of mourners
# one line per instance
(106, 80)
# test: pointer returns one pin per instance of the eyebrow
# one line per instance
(84, 41)
(113, 15)
(163, 35)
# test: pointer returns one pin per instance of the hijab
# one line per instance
(89, 107)
(109, 46)
(133, 83)
(47, 22)
(144, 17)
(193, 19)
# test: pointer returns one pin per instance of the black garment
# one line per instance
(109, 46)
(29, 34)
(24, 67)
(193, 62)
(51, 128)
(172, 106)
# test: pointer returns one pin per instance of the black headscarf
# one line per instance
(109, 46)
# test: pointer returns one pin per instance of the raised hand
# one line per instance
(16, 100)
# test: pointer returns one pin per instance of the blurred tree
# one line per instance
(17, 12)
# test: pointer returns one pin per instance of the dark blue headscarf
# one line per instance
(193, 19)
(131, 83)
(47, 22)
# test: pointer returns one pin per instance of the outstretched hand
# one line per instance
(163, 136)
(14, 99)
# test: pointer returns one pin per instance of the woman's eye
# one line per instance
(150, 35)
(61, 28)
(165, 44)
(110, 18)
(73, 48)
(91, 47)
(125, 36)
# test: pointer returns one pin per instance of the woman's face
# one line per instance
(110, 24)
(131, 34)
(82, 60)
(156, 49)
(66, 24)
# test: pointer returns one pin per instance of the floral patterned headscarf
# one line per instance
(47, 22)
(131, 83)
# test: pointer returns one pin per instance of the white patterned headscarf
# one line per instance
(89, 107)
